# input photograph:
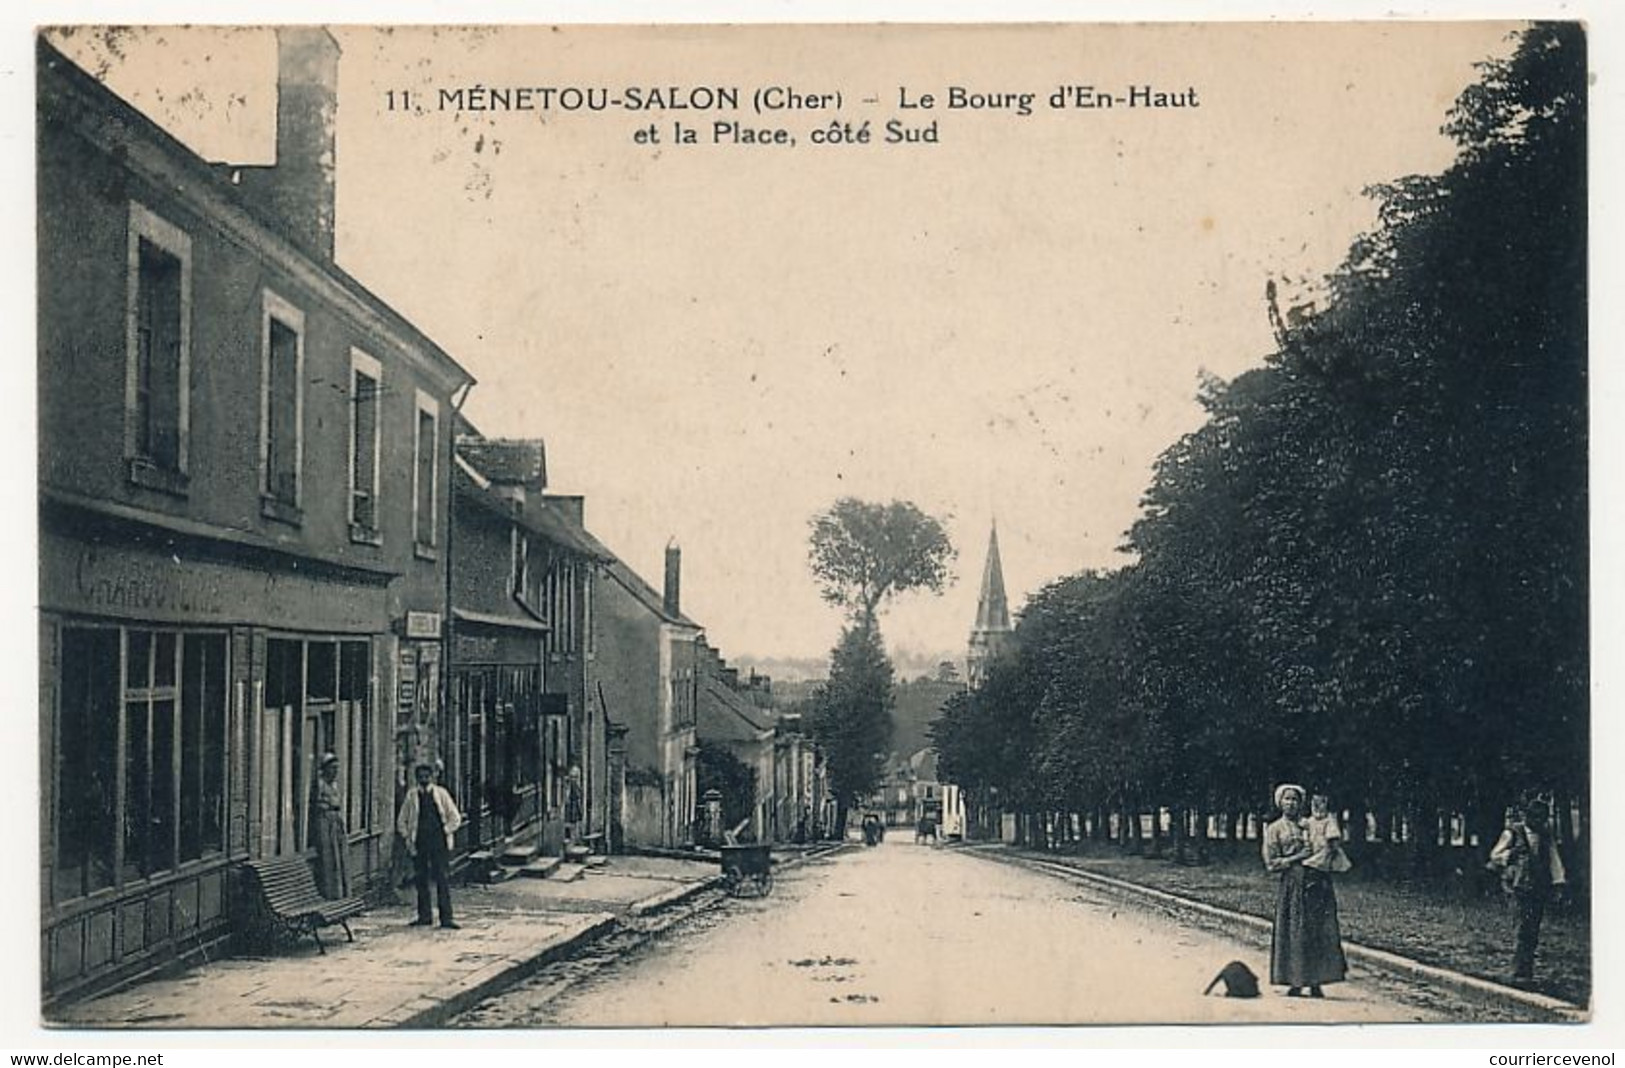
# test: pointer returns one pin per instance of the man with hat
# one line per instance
(427, 821)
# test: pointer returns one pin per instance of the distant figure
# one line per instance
(926, 828)
(1526, 856)
(427, 821)
(1307, 948)
(328, 830)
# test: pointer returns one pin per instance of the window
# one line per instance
(281, 407)
(158, 344)
(161, 717)
(426, 446)
(366, 377)
(521, 566)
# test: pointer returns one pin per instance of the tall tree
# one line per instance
(851, 717)
(863, 553)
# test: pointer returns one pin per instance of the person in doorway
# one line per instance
(1531, 869)
(427, 821)
(1307, 948)
(332, 838)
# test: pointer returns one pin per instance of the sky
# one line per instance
(717, 341)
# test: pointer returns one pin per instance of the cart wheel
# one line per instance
(732, 883)
(764, 884)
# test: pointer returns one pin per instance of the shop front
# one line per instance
(494, 738)
(187, 691)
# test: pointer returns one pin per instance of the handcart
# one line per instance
(747, 870)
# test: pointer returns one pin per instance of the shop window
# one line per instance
(281, 407)
(157, 392)
(87, 762)
(366, 375)
(166, 726)
(355, 688)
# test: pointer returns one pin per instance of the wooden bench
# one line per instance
(291, 903)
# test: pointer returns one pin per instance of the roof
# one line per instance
(992, 608)
(924, 765)
(68, 77)
(641, 591)
(724, 717)
(509, 461)
(554, 524)
(490, 619)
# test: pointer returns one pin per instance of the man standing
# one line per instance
(1527, 858)
(427, 821)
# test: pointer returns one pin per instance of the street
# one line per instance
(904, 934)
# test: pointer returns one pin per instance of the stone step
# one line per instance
(568, 873)
(483, 868)
(519, 855)
(540, 868)
(597, 861)
(577, 854)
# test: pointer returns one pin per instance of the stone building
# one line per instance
(244, 462)
(647, 676)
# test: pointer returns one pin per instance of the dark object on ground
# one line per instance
(1238, 980)
(747, 870)
(290, 904)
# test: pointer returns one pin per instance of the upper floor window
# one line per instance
(426, 446)
(521, 565)
(158, 339)
(366, 379)
(282, 405)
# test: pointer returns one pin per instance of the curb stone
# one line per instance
(426, 1014)
(1469, 987)
(667, 898)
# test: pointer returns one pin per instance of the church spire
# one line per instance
(991, 634)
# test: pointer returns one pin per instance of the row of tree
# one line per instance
(1367, 571)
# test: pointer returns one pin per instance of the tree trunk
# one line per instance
(1180, 832)
(1354, 833)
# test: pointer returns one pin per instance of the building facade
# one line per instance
(647, 677)
(524, 744)
(243, 469)
(731, 718)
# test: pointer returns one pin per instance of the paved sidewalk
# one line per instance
(396, 975)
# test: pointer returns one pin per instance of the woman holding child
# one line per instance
(1307, 950)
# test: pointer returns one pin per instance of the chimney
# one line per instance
(299, 188)
(674, 568)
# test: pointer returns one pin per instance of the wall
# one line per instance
(83, 231)
(627, 663)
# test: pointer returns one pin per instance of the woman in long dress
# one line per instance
(1307, 950)
(331, 837)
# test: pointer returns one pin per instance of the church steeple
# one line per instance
(991, 634)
